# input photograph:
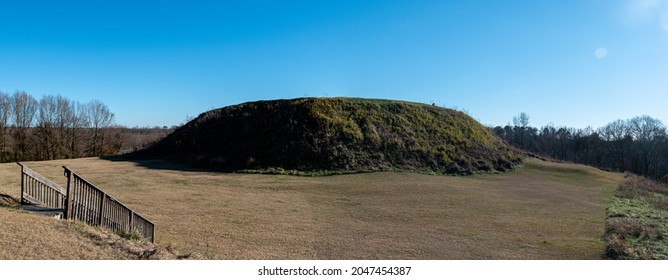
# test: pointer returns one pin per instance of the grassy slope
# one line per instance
(36, 237)
(26, 236)
(338, 134)
(541, 211)
(637, 223)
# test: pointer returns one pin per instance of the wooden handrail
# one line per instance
(41, 178)
(83, 201)
(88, 203)
(35, 189)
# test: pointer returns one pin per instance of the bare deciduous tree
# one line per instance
(650, 134)
(521, 123)
(65, 114)
(5, 110)
(646, 128)
(522, 120)
(617, 140)
(55, 127)
(100, 117)
(24, 108)
(79, 122)
(47, 143)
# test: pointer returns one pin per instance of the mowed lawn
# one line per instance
(541, 211)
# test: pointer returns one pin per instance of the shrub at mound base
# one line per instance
(337, 134)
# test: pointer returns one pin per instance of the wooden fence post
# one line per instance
(102, 201)
(22, 184)
(132, 214)
(68, 197)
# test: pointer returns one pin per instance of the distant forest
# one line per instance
(638, 145)
(55, 127)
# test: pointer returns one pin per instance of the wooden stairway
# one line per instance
(80, 201)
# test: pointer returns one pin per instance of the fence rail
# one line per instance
(85, 202)
(36, 189)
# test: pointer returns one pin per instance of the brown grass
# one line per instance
(639, 183)
(542, 211)
(644, 189)
(34, 237)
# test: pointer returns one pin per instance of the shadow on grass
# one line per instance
(159, 163)
(178, 164)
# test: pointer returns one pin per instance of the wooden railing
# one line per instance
(87, 203)
(36, 189)
(82, 201)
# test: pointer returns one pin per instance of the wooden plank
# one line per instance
(86, 203)
(31, 199)
(130, 225)
(43, 180)
(100, 213)
(22, 183)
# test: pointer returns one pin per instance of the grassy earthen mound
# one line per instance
(337, 135)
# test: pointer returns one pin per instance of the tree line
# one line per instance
(56, 127)
(638, 145)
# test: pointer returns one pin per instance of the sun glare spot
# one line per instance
(601, 53)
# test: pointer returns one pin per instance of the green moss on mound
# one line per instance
(340, 135)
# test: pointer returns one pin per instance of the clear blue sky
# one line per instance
(567, 62)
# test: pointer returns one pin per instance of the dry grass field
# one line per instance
(541, 211)
(35, 237)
